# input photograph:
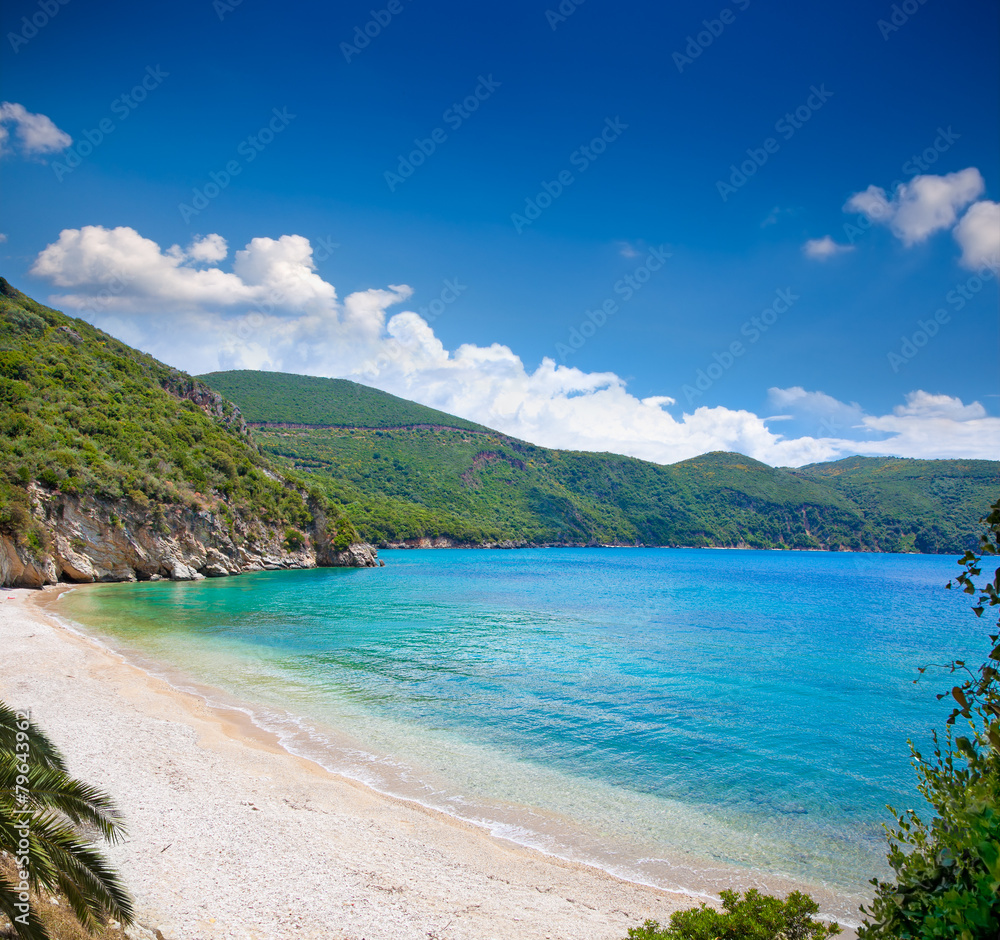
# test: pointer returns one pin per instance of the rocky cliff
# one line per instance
(84, 540)
(117, 467)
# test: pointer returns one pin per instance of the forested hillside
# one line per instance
(114, 465)
(404, 472)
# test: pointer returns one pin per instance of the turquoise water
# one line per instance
(687, 718)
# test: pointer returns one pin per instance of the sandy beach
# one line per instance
(232, 836)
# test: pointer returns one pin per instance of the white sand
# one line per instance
(231, 836)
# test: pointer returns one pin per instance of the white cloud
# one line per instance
(210, 249)
(816, 413)
(273, 311)
(924, 405)
(925, 205)
(3, 237)
(35, 133)
(823, 248)
(978, 234)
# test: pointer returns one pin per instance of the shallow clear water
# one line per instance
(673, 715)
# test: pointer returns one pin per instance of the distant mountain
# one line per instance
(929, 504)
(407, 474)
(279, 398)
(114, 466)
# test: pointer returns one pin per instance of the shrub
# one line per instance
(14, 518)
(294, 539)
(947, 871)
(24, 321)
(346, 536)
(36, 540)
(137, 498)
(755, 916)
(49, 477)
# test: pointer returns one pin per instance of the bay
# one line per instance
(693, 719)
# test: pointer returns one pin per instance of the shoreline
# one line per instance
(231, 835)
(238, 723)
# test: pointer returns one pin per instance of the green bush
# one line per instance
(755, 916)
(15, 518)
(294, 539)
(345, 537)
(48, 477)
(35, 541)
(947, 871)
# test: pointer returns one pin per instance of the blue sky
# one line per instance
(575, 148)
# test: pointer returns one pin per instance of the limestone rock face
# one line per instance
(89, 540)
(19, 569)
(358, 555)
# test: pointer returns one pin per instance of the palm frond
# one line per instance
(29, 929)
(52, 788)
(40, 747)
(37, 794)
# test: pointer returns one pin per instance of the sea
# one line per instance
(691, 719)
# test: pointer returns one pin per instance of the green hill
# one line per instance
(404, 472)
(926, 503)
(281, 398)
(108, 454)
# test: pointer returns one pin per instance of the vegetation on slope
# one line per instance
(926, 505)
(86, 415)
(278, 397)
(415, 472)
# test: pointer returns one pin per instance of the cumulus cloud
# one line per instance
(31, 134)
(269, 273)
(210, 249)
(978, 234)
(924, 405)
(823, 248)
(274, 311)
(925, 205)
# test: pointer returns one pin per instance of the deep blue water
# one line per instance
(658, 711)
